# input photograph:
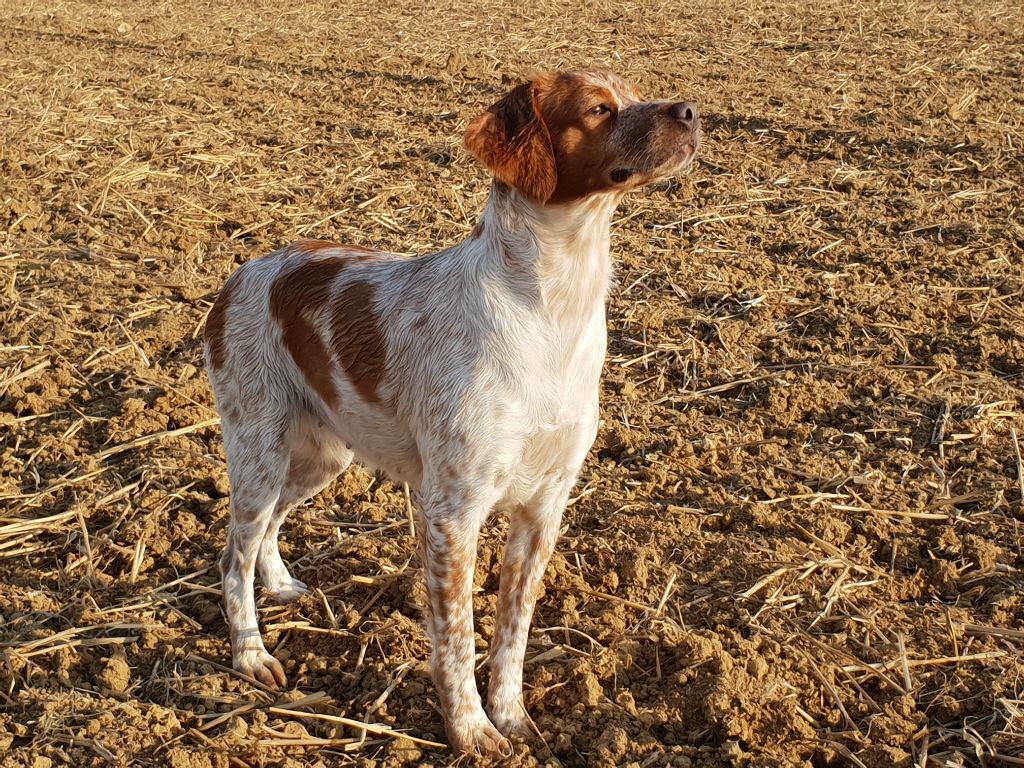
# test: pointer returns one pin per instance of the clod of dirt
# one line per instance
(115, 675)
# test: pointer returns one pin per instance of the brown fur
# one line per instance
(512, 140)
(357, 338)
(579, 139)
(213, 333)
(544, 140)
(312, 246)
(357, 252)
(297, 292)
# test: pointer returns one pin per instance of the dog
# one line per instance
(471, 374)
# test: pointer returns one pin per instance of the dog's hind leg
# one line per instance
(316, 459)
(258, 456)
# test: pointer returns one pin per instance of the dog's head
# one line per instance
(565, 136)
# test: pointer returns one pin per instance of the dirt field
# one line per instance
(797, 541)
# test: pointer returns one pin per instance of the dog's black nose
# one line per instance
(685, 112)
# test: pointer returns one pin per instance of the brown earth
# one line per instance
(797, 540)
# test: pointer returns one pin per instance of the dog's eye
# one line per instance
(601, 109)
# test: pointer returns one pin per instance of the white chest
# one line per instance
(549, 410)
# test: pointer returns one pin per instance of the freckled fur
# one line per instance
(471, 373)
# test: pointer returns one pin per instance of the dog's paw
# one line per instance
(286, 589)
(506, 710)
(478, 737)
(516, 728)
(260, 665)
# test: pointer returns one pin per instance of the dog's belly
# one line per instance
(382, 443)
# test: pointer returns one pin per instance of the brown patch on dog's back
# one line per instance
(357, 338)
(294, 294)
(216, 321)
(311, 247)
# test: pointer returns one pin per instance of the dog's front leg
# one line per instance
(448, 526)
(533, 530)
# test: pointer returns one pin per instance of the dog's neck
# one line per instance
(558, 253)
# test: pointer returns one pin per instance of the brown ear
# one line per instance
(512, 140)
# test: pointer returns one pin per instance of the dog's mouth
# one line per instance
(679, 160)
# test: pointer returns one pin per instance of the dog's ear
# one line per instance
(512, 140)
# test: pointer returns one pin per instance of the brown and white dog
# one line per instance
(471, 374)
